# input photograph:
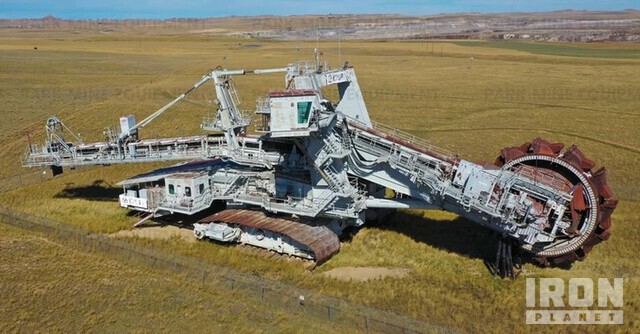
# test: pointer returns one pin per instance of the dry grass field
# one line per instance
(470, 97)
(47, 287)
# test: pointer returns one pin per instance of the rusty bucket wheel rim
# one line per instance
(587, 225)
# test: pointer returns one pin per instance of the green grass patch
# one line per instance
(607, 51)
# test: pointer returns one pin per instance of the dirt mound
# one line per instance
(362, 274)
(158, 232)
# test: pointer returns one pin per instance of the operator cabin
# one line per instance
(289, 113)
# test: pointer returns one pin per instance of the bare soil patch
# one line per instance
(158, 232)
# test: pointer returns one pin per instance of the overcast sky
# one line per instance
(121, 9)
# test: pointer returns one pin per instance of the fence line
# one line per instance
(212, 276)
(16, 181)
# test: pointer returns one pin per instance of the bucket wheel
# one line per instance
(589, 212)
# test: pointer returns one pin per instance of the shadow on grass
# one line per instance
(458, 236)
(98, 191)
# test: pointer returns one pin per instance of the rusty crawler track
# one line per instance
(319, 239)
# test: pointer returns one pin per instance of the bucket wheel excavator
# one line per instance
(315, 167)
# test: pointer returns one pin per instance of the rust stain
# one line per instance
(319, 239)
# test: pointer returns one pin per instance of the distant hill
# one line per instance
(566, 25)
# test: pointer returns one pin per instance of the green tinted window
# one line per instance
(304, 109)
(172, 190)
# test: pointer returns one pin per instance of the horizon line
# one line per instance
(320, 15)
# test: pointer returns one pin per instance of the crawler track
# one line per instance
(269, 254)
(319, 239)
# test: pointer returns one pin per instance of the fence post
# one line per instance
(366, 323)
(329, 311)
